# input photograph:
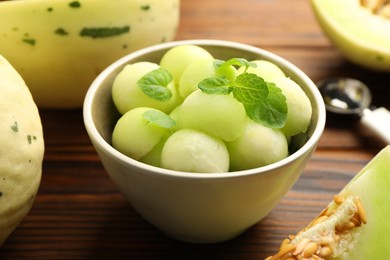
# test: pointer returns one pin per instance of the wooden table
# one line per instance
(79, 213)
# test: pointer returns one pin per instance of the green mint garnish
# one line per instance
(263, 101)
(159, 118)
(250, 89)
(221, 66)
(154, 84)
(272, 111)
(216, 85)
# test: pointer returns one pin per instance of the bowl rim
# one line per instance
(101, 143)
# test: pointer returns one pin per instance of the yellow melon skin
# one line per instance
(60, 46)
(21, 149)
(361, 36)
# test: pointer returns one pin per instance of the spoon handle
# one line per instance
(378, 121)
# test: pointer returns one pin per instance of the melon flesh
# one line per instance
(362, 36)
(372, 186)
(366, 241)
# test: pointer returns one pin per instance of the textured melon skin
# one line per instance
(58, 46)
(21, 149)
(361, 36)
(372, 186)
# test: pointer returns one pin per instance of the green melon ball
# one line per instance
(190, 150)
(218, 115)
(154, 156)
(264, 69)
(175, 115)
(126, 93)
(177, 59)
(257, 146)
(135, 136)
(299, 107)
(198, 71)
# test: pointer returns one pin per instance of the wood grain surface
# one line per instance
(79, 213)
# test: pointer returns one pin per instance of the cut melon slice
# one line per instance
(359, 33)
(355, 225)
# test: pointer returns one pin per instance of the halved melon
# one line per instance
(358, 28)
(355, 225)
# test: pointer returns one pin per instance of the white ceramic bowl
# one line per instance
(192, 207)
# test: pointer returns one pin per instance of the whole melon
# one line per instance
(21, 149)
(72, 41)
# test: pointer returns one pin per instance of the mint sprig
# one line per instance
(263, 101)
(250, 89)
(222, 67)
(154, 84)
(271, 111)
(159, 118)
(216, 85)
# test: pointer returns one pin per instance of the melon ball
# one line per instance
(126, 93)
(257, 146)
(299, 107)
(178, 58)
(264, 69)
(218, 115)
(134, 136)
(191, 150)
(200, 70)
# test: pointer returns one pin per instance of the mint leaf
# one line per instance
(250, 89)
(238, 62)
(264, 102)
(215, 85)
(154, 84)
(159, 118)
(272, 111)
(217, 63)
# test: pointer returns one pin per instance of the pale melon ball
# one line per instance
(193, 74)
(264, 69)
(190, 150)
(154, 156)
(299, 107)
(177, 59)
(175, 115)
(126, 93)
(257, 146)
(218, 115)
(134, 136)
(198, 71)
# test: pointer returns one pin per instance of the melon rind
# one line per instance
(372, 186)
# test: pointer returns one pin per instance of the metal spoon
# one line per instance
(352, 97)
